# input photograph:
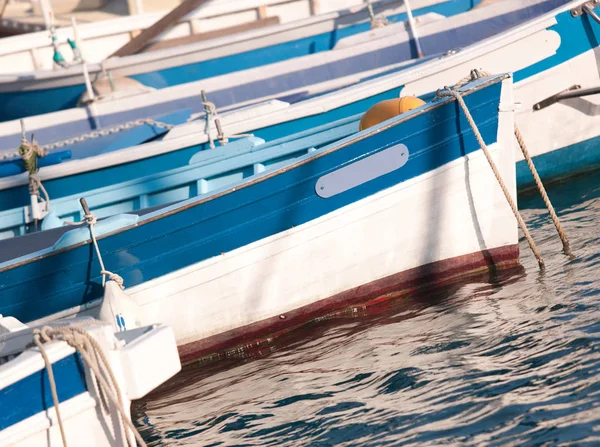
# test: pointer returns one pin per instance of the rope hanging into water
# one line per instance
(94, 357)
(538, 181)
(543, 193)
(447, 91)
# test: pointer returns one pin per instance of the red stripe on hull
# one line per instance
(409, 281)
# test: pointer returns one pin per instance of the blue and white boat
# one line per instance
(88, 405)
(354, 59)
(557, 83)
(557, 41)
(407, 202)
(98, 39)
(33, 93)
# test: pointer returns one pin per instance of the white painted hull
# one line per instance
(567, 122)
(561, 125)
(83, 422)
(100, 39)
(139, 362)
(454, 211)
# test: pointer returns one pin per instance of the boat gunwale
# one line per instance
(258, 178)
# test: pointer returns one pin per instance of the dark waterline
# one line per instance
(506, 360)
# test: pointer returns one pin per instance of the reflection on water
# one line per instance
(510, 360)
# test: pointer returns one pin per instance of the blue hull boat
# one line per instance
(104, 169)
(43, 92)
(221, 265)
(37, 361)
(292, 80)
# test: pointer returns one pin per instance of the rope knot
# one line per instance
(113, 277)
(210, 107)
(30, 151)
(90, 219)
(104, 382)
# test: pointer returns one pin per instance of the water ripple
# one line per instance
(509, 361)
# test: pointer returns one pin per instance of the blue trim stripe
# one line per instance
(32, 395)
(226, 222)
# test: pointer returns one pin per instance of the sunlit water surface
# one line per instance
(511, 360)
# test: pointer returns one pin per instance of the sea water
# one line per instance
(507, 359)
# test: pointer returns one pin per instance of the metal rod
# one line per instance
(579, 93)
(590, 11)
(47, 13)
(88, 83)
(574, 91)
(84, 205)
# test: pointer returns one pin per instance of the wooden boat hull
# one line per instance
(288, 238)
(106, 169)
(40, 93)
(47, 91)
(27, 414)
(563, 138)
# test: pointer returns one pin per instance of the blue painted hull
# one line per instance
(187, 233)
(21, 104)
(61, 187)
(567, 161)
(32, 395)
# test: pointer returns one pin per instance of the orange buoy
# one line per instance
(387, 109)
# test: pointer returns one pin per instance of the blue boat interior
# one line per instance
(207, 170)
(42, 282)
(102, 144)
(121, 205)
(434, 44)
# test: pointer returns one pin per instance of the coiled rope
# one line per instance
(453, 91)
(30, 152)
(475, 74)
(94, 357)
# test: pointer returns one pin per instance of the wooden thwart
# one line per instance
(160, 45)
(172, 18)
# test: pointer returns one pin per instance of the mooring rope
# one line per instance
(90, 220)
(94, 357)
(543, 193)
(447, 91)
(211, 111)
(30, 152)
(538, 181)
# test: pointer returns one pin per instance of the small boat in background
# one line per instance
(404, 202)
(32, 93)
(557, 83)
(117, 21)
(367, 55)
(68, 383)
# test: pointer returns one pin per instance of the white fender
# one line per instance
(118, 308)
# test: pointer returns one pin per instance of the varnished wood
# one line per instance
(169, 43)
(172, 18)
